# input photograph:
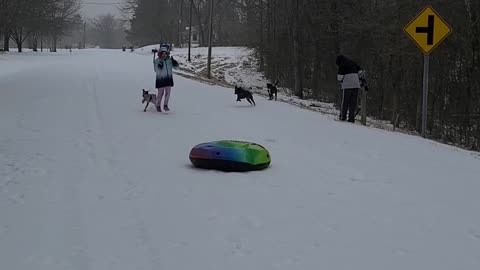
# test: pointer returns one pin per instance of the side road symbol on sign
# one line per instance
(427, 30)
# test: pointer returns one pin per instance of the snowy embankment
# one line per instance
(238, 66)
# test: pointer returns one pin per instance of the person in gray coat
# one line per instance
(350, 76)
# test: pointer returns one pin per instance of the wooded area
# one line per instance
(371, 33)
(297, 42)
(43, 23)
(39, 19)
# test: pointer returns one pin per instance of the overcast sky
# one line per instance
(100, 7)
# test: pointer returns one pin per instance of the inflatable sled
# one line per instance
(230, 156)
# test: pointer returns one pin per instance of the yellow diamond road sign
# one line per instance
(427, 30)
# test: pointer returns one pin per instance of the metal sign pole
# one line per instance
(210, 33)
(426, 67)
(190, 32)
(427, 37)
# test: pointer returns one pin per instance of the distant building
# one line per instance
(195, 36)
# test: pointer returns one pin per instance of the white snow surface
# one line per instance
(88, 181)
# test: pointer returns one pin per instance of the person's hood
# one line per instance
(341, 59)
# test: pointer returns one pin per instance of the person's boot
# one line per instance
(165, 107)
(159, 109)
(351, 116)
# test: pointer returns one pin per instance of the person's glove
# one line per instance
(174, 62)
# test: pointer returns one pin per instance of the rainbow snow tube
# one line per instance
(230, 156)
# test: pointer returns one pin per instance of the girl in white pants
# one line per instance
(161, 91)
(163, 67)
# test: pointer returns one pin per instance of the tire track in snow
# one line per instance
(42, 228)
(120, 191)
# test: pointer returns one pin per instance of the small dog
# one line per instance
(149, 98)
(272, 90)
(242, 93)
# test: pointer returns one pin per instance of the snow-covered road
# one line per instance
(88, 181)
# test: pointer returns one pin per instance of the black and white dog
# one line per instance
(242, 93)
(272, 90)
(149, 98)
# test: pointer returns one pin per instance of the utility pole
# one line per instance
(190, 31)
(180, 25)
(210, 33)
(84, 35)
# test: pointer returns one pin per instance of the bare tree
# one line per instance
(62, 17)
(21, 21)
(107, 31)
(7, 8)
(127, 9)
(23, 18)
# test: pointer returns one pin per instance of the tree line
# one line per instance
(106, 31)
(371, 33)
(47, 21)
(158, 21)
(38, 19)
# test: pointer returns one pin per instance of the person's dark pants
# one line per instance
(349, 103)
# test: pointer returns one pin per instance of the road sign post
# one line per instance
(426, 68)
(427, 30)
(210, 34)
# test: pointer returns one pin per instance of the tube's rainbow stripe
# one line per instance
(231, 154)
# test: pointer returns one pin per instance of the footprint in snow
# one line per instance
(3, 230)
(475, 234)
(239, 248)
(249, 223)
(17, 198)
(400, 251)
